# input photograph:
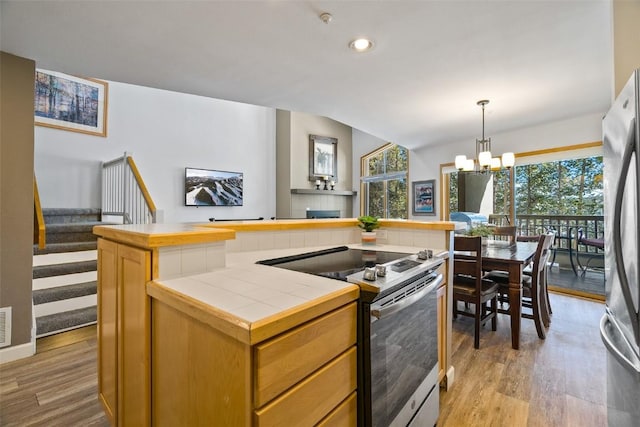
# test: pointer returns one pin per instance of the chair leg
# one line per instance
(543, 297)
(537, 316)
(546, 294)
(478, 315)
(455, 308)
(494, 310)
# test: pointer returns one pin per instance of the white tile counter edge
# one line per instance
(252, 292)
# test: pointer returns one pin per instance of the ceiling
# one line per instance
(536, 61)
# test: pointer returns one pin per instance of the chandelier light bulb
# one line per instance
(508, 160)
(469, 165)
(484, 158)
(495, 163)
(460, 161)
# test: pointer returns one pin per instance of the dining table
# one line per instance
(511, 257)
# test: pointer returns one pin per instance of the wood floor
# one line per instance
(56, 387)
(556, 382)
(559, 381)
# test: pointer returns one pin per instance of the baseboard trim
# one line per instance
(17, 352)
(450, 376)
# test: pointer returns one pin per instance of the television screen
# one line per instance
(203, 187)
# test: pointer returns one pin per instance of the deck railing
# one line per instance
(124, 193)
(565, 226)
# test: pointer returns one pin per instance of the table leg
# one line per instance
(515, 303)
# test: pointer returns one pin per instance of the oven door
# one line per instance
(404, 352)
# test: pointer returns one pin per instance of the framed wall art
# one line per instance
(424, 197)
(71, 103)
(323, 158)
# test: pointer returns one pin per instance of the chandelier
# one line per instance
(484, 161)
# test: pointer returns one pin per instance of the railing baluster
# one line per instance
(122, 194)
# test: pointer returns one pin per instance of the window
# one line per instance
(566, 187)
(384, 182)
(558, 182)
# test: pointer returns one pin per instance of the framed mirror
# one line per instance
(323, 158)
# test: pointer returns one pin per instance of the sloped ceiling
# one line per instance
(536, 61)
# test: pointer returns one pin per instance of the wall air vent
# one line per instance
(5, 326)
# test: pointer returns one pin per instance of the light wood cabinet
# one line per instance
(444, 296)
(123, 333)
(442, 331)
(203, 376)
(344, 415)
(284, 361)
(443, 325)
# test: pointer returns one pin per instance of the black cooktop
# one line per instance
(334, 263)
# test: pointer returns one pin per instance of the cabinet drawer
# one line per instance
(311, 400)
(287, 359)
(345, 415)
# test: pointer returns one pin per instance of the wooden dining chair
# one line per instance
(505, 233)
(528, 270)
(470, 287)
(534, 292)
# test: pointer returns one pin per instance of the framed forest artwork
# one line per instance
(71, 103)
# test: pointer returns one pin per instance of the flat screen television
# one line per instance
(206, 187)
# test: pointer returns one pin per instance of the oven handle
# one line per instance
(379, 312)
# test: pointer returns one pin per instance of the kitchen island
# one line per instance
(192, 331)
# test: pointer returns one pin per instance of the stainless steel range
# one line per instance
(397, 329)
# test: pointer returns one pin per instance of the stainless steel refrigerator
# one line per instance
(620, 325)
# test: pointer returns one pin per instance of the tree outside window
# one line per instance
(565, 187)
(384, 182)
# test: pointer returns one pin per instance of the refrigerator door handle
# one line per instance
(630, 366)
(630, 149)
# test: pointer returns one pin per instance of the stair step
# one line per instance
(55, 248)
(64, 272)
(69, 215)
(60, 306)
(60, 269)
(64, 258)
(60, 322)
(64, 292)
(64, 280)
(74, 227)
(71, 232)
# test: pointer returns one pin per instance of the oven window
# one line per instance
(404, 349)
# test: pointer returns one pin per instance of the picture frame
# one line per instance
(424, 197)
(323, 158)
(71, 103)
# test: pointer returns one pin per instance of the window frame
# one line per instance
(384, 178)
(566, 152)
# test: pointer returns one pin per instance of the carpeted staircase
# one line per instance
(65, 271)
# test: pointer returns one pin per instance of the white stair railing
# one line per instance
(124, 194)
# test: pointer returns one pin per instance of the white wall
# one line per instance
(166, 132)
(303, 125)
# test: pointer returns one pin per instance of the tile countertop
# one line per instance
(245, 295)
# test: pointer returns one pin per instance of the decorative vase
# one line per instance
(368, 237)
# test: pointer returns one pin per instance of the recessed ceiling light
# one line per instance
(361, 45)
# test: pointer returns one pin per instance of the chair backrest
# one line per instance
(509, 232)
(468, 267)
(525, 238)
(543, 251)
